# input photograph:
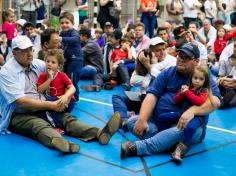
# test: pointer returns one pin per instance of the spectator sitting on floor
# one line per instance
(19, 100)
(159, 99)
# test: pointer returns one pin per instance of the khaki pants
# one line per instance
(31, 126)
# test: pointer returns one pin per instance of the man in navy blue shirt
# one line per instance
(160, 99)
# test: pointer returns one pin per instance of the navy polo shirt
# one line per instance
(167, 85)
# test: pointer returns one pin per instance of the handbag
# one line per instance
(56, 10)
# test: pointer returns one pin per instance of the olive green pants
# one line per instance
(31, 126)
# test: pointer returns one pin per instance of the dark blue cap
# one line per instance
(191, 50)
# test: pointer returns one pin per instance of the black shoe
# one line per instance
(64, 145)
(128, 149)
(180, 151)
(91, 88)
(108, 86)
(113, 125)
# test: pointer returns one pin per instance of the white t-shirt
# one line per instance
(188, 4)
(227, 52)
(169, 61)
(229, 5)
(233, 73)
(211, 6)
(211, 35)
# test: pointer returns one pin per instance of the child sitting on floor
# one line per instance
(195, 94)
(55, 85)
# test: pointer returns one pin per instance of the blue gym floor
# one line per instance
(20, 156)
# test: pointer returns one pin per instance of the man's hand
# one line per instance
(229, 83)
(57, 106)
(185, 119)
(63, 100)
(140, 127)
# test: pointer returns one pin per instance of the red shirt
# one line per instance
(196, 97)
(57, 85)
(118, 55)
(219, 45)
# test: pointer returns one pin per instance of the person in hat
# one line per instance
(154, 61)
(19, 100)
(19, 26)
(159, 100)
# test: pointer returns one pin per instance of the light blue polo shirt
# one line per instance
(12, 87)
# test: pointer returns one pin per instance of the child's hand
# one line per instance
(184, 88)
(50, 74)
(63, 100)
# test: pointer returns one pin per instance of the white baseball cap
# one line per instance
(156, 41)
(227, 27)
(21, 42)
(21, 22)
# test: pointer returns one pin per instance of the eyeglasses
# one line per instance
(24, 51)
(184, 59)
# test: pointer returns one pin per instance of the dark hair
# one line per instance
(140, 67)
(68, 16)
(85, 32)
(161, 29)
(57, 53)
(46, 35)
(233, 56)
(28, 24)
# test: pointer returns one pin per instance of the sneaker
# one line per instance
(64, 145)
(91, 88)
(105, 134)
(180, 151)
(128, 149)
(108, 86)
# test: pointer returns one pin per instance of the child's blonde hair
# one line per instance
(56, 53)
(7, 13)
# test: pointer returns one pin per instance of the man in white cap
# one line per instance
(19, 100)
(121, 102)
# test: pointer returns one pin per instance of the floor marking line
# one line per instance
(190, 155)
(106, 162)
(95, 101)
(145, 166)
(208, 126)
(221, 129)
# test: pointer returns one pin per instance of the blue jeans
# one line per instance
(72, 69)
(88, 72)
(122, 104)
(167, 120)
(153, 141)
(149, 20)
